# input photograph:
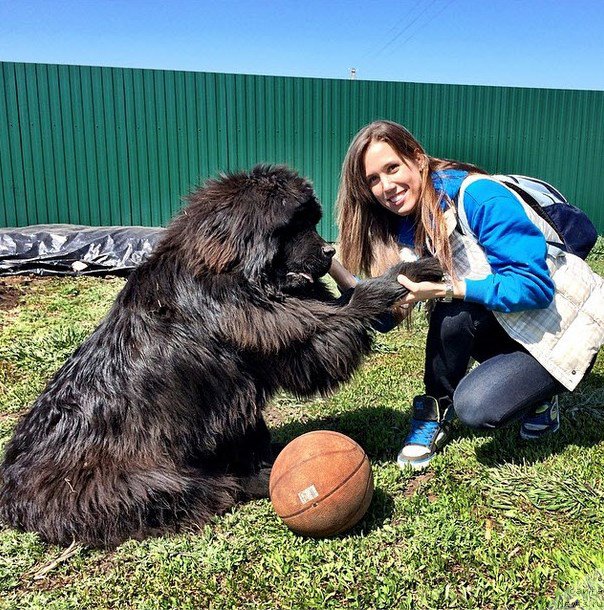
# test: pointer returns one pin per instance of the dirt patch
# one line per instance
(284, 408)
(16, 416)
(13, 287)
(416, 483)
(21, 280)
(10, 296)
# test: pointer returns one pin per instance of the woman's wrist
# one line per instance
(447, 297)
(451, 289)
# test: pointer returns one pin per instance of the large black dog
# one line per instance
(155, 422)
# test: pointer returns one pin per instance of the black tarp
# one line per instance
(75, 249)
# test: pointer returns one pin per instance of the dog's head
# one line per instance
(261, 223)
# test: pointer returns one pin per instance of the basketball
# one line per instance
(321, 484)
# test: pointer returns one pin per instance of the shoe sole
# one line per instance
(534, 437)
(416, 465)
(420, 464)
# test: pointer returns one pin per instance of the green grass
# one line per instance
(494, 523)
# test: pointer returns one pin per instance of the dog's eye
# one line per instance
(162, 311)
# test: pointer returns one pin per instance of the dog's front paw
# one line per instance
(256, 486)
(381, 292)
(426, 269)
(377, 294)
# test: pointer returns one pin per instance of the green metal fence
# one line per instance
(114, 146)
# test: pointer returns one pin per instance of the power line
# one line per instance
(405, 29)
(394, 28)
(442, 8)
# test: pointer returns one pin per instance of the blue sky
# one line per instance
(525, 43)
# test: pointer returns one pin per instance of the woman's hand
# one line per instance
(424, 291)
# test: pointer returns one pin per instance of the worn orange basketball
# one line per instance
(321, 484)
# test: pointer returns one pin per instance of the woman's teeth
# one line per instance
(397, 198)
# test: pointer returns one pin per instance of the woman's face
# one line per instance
(395, 182)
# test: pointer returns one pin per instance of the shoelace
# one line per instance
(422, 432)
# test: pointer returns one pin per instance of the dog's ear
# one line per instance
(225, 226)
(215, 246)
(204, 233)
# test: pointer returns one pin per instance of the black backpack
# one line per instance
(574, 228)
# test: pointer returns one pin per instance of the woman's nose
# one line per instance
(386, 184)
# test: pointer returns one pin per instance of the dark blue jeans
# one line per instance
(507, 383)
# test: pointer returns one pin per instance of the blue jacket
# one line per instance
(514, 246)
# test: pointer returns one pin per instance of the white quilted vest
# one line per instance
(563, 337)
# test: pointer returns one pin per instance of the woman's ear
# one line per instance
(423, 162)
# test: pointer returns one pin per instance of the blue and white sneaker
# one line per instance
(543, 420)
(430, 428)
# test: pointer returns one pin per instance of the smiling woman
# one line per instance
(502, 304)
(382, 155)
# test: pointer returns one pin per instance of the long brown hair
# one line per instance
(369, 232)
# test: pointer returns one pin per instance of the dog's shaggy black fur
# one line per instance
(155, 422)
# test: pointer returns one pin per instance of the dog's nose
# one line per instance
(328, 250)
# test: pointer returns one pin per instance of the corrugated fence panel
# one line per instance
(591, 158)
(113, 146)
(11, 187)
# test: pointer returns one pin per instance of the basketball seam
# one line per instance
(354, 516)
(299, 512)
(310, 459)
(354, 447)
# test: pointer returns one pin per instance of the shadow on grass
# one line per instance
(379, 430)
(582, 425)
(379, 512)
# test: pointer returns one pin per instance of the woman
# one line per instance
(500, 303)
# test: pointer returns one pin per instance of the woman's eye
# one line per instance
(393, 168)
(372, 180)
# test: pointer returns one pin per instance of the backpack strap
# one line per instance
(533, 210)
(537, 208)
(545, 192)
(462, 219)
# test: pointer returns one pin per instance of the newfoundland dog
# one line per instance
(155, 423)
